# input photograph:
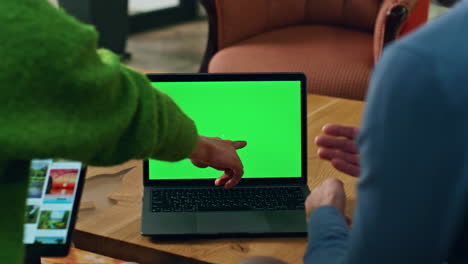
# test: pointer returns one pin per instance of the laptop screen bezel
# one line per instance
(207, 77)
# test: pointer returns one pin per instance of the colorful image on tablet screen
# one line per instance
(51, 192)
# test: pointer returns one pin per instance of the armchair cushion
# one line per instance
(336, 60)
(238, 19)
(357, 14)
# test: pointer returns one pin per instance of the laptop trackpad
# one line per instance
(231, 222)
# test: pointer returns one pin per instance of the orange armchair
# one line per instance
(334, 42)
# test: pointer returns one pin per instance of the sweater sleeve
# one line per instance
(67, 99)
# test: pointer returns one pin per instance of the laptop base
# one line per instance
(222, 222)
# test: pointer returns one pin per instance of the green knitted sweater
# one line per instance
(61, 97)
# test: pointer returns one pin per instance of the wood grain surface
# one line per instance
(109, 221)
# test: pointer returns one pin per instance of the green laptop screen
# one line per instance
(267, 114)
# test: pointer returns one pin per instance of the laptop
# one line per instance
(266, 110)
(54, 193)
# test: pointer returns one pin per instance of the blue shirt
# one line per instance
(413, 189)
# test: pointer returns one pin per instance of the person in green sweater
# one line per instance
(60, 97)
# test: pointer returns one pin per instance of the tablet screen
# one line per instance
(51, 197)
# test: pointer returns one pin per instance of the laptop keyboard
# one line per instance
(219, 199)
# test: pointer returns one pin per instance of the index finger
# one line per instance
(341, 144)
(239, 144)
(341, 131)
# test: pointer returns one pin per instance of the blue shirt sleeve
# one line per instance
(328, 233)
(406, 211)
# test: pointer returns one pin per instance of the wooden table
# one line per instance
(109, 218)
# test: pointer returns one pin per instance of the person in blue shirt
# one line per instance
(411, 158)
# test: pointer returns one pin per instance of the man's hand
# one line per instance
(221, 155)
(338, 146)
(330, 192)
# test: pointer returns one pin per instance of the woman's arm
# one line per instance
(61, 97)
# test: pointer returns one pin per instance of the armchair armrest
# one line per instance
(391, 17)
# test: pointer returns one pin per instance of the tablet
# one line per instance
(53, 197)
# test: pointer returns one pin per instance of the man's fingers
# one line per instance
(198, 164)
(239, 144)
(340, 131)
(330, 154)
(332, 142)
(346, 167)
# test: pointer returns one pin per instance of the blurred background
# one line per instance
(155, 35)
